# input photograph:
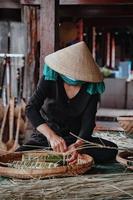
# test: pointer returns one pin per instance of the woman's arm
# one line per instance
(57, 143)
(36, 101)
(33, 107)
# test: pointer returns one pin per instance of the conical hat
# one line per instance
(76, 62)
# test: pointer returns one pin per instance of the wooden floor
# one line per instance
(109, 112)
(107, 118)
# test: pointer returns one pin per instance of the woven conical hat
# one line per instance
(76, 62)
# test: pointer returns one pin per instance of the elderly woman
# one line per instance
(63, 107)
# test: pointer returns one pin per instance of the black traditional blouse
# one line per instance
(50, 104)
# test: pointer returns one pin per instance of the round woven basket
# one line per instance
(126, 159)
(126, 122)
(84, 163)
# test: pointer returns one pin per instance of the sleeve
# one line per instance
(36, 101)
(88, 119)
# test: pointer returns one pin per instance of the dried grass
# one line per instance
(92, 187)
(118, 137)
(88, 187)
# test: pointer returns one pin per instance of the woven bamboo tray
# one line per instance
(84, 163)
(126, 122)
(126, 159)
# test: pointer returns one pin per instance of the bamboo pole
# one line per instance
(16, 142)
(108, 50)
(94, 42)
(113, 53)
(2, 144)
(10, 142)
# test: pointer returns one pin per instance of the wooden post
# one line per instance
(30, 2)
(94, 2)
(113, 52)
(94, 42)
(49, 26)
(108, 50)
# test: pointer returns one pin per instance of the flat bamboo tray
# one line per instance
(84, 163)
(126, 159)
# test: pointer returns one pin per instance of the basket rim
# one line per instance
(121, 158)
(65, 170)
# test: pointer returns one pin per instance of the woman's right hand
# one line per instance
(57, 143)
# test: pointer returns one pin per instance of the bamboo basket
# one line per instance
(126, 159)
(126, 122)
(84, 163)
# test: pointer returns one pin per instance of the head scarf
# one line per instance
(92, 88)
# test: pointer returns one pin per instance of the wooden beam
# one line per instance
(100, 11)
(95, 2)
(10, 4)
(30, 2)
(109, 22)
(49, 29)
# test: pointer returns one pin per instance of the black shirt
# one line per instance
(50, 104)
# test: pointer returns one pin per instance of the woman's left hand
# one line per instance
(74, 153)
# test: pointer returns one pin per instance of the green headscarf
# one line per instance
(92, 88)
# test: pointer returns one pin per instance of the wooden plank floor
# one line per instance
(109, 112)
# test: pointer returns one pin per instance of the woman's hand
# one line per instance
(74, 154)
(73, 149)
(57, 143)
